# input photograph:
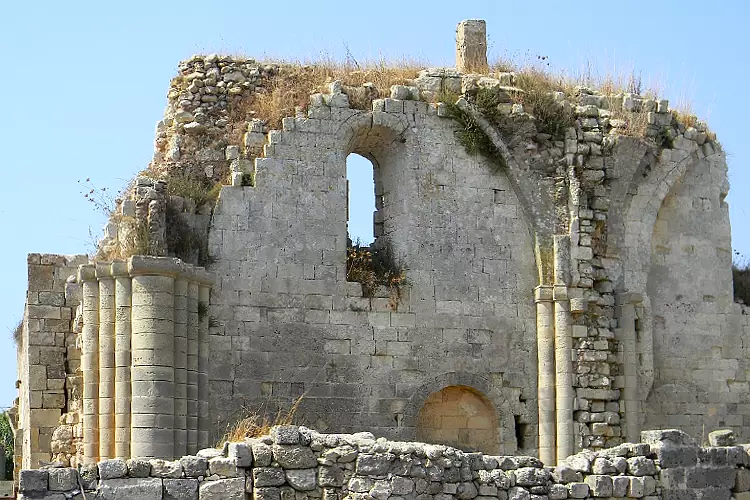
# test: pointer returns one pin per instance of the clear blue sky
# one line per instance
(83, 84)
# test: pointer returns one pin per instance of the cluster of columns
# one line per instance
(144, 358)
(555, 371)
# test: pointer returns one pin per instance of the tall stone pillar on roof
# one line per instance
(471, 46)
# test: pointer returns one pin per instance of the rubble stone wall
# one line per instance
(300, 464)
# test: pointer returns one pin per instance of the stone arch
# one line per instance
(459, 416)
(502, 401)
(641, 212)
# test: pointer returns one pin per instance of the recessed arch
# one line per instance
(459, 416)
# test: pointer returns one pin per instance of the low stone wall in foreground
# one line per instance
(296, 463)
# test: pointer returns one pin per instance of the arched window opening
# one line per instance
(361, 200)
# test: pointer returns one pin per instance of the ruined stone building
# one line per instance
(551, 270)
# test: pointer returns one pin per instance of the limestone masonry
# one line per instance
(558, 292)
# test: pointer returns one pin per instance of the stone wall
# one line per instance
(561, 292)
(466, 317)
(48, 362)
(297, 463)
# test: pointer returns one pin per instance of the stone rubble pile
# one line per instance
(296, 463)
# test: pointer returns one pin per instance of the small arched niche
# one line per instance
(461, 417)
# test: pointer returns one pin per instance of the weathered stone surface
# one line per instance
(224, 467)
(578, 490)
(294, 456)
(112, 469)
(127, 489)
(138, 467)
(374, 464)
(194, 466)
(166, 468)
(63, 479)
(641, 466)
(242, 453)
(721, 438)
(600, 486)
(223, 489)
(33, 481)
(180, 489)
(285, 434)
(268, 476)
(303, 479)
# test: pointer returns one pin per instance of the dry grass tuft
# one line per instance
(256, 423)
(290, 88)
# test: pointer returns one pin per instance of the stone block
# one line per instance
(302, 479)
(330, 476)
(578, 490)
(557, 492)
(600, 486)
(703, 477)
(374, 464)
(517, 493)
(130, 488)
(262, 454)
(641, 466)
(742, 480)
(223, 489)
(268, 476)
(285, 434)
(180, 489)
(724, 437)
(138, 467)
(114, 468)
(165, 468)
(63, 479)
(265, 494)
(294, 456)
(620, 485)
(223, 467)
(242, 453)
(33, 481)
(194, 466)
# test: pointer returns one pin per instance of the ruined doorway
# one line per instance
(461, 417)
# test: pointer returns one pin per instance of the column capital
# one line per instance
(629, 298)
(543, 293)
(560, 293)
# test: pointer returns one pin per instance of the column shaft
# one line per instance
(153, 360)
(565, 394)
(90, 368)
(564, 378)
(193, 337)
(629, 361)
(106, 365)
(180, 366)
(123, 332)
(545, 335)
(203, 353)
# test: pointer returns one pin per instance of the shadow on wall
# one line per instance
(461, 417)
